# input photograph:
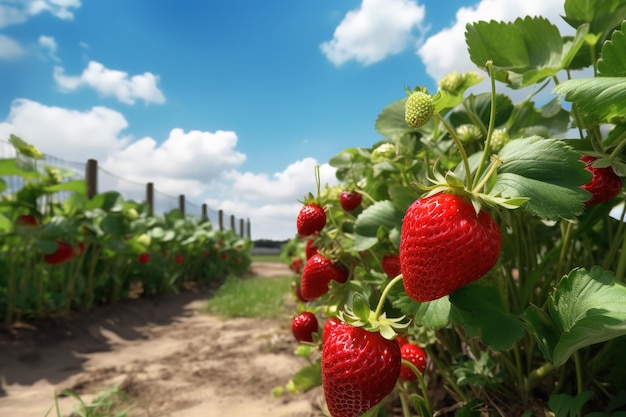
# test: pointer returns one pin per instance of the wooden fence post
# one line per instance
(220, 215)
(205, 212)
(248, 228)
(91, 178)
(232, 223)
(150, 198)
(181, 203)
(241, 229)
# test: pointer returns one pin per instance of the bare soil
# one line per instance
(172, 359)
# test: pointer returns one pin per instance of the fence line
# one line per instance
(99, 180)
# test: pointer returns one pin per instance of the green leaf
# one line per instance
(74, 186)
(542, 328)
(430, 315)
(479, 309)
(379, 214)
(360, 307)
(602, 16)
(306, 378)
(588, 308)
(565, 405)
(114, 224)
(612, 63)
(545, 171)
(604, 97)
(10, 166)
(523, 52)
(109, 201)
(391, 123)
(24, 148)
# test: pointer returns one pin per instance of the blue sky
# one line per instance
(229, 102)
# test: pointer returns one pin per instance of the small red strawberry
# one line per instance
(64, 253)
(445, 245)
(329, 326)
(296, 265)
(350, 200)
(143, 258)
(604, 185)
(311, 219)
(359, 369)
(298, 293)
(391, 265)
(310, 249)
(26, 220)
(179, 259)
(303, 326)
(416, 356)
(317, 274)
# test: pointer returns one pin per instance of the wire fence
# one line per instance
(99, 180)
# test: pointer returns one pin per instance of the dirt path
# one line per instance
(172, 360)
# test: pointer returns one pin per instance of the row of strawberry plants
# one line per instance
(57, 257)
(480, 236)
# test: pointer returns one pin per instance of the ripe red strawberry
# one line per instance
(311, 219)
(359, 369)
(350, 200)
(26, 220)
(64, 253)
(604, 185)
(329, 326)
(298, 292)
(391, 265)
(317, 273)
(143, 258)
(296, 265)
(444, 245)
(310, 249)
(303, 326)
(416, 356)
(179, 259)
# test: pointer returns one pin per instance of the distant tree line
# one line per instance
(266, 243)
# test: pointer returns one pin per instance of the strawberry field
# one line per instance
(472, 262)
(63, 256)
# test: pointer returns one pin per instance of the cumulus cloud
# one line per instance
(9, 48)
(377, 29)
(16, 12)
(70, 134)
(49, 45)
(113, 83)
(184, 156)
(446, 50)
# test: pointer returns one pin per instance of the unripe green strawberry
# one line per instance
(445, 245)
(419, 108)
(469, 133)
(452, 82)
(499, 138)
(383, 152)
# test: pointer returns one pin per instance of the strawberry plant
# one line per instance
(508, 218)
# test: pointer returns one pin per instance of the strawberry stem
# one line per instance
(459, 145)
(317, 180)
(383, 296)
(492, 119)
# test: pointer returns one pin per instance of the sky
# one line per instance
(231, 103)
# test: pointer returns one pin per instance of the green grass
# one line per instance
(266, 258)
(256, 297)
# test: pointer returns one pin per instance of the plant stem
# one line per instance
(383, 296)
(492, 120)
(459, 145)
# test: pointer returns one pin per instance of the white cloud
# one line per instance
(446, 51)
(16, 12)
(113, 83)
(377, 29)
(49, 45)
(70, 134)
(9, 48)
(199, 157)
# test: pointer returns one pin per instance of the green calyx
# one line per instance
(359, 314)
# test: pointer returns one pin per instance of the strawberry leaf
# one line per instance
(431, 315)
(604, 97)
(545, 171)
(380, 215)
(306, 378)
(523, 52)
(391, 123)
(613, 61)
(479, 309)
